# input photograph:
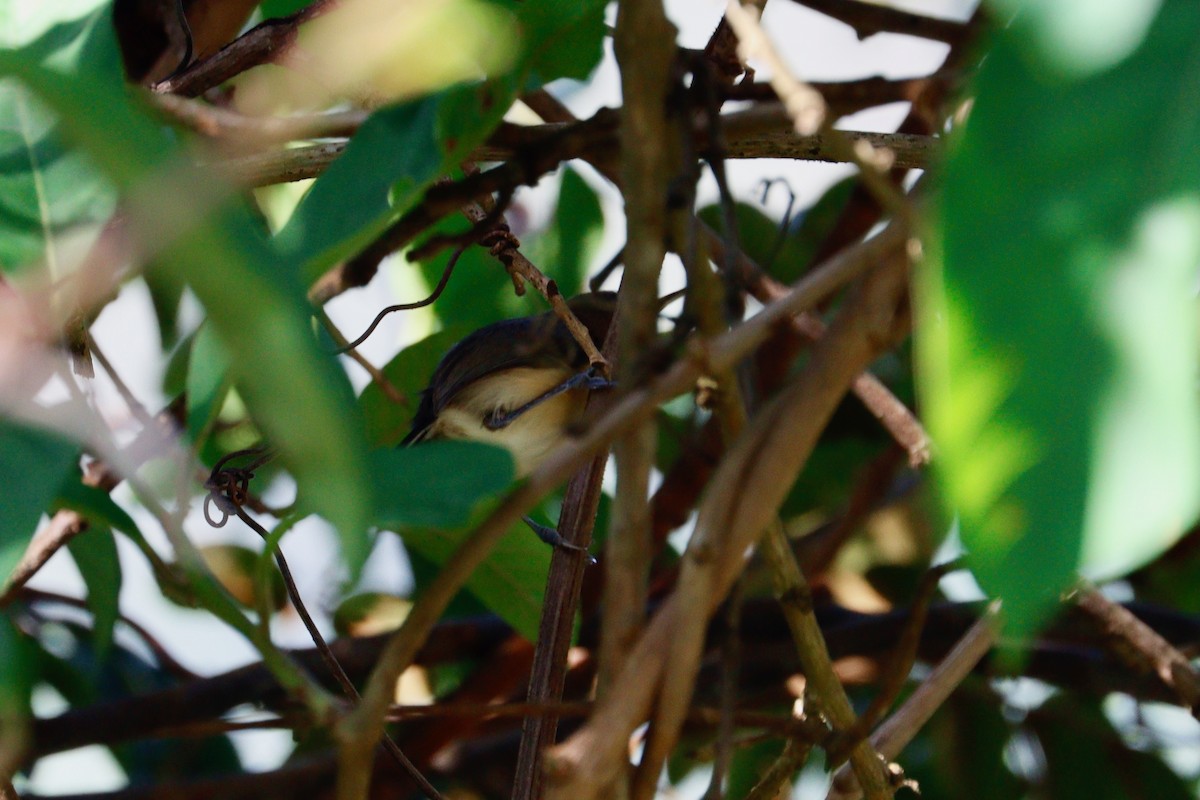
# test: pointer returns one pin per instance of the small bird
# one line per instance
(519, 383)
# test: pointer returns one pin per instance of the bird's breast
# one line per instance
(532, 435)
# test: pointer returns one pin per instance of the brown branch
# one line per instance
(1144, 650)
(644, 45)
(244, 130)
(868, 19)
(744, 496)
(444, 198)
(359, 731)
(262, 44)
(49, 539)
(754, 133)
(559, 606)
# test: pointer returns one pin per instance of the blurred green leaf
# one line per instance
(33, 464)
(47, 189)
(565, 250)
(1058, 341)
(409, 371)
(256, 306)
(1086, 758)
(207, 382)
(18, 671)
(561, 40)
(95, 553)
(282, 8)
(98, 506)
(382, 173)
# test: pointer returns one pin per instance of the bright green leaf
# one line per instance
(95, 553)
(431, 493)
(510, 582)
(1058, 341)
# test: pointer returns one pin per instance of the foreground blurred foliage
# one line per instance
(1055, 365)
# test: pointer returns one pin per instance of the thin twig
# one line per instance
(898, 668)
(794, 754)
(350, 350)
(506, 249)
(229, 485)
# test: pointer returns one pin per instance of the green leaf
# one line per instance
(565, 250)
(431, 494)
(33, 464)
(46, 189)
(1058, 339)
(207, 382)
(511, 581)
(95, 553)
(282, 8)
(98, 506)
(437, 484)
(256, 306)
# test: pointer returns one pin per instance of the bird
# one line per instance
(519, 383)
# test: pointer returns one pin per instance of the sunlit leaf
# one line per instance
(1059, 329)
(378, 51)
